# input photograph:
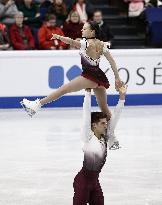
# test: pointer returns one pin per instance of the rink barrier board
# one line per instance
(33, 74)
(77, 101)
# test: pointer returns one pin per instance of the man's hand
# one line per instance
(118, 84)
(88, 89)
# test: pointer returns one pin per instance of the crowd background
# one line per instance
(29, 24)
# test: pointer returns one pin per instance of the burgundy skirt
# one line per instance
(96, 75)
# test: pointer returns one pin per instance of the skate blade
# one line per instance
(28, 110)
(115, 146)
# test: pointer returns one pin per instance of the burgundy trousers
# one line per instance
(87, 188)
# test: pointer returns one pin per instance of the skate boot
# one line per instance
(31, 107)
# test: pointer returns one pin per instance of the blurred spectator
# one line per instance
(20, 35)
(58, 8)
(18, 2)
(44, 6)
(72, 28)
(8, 9)
(155, 3)
(69, 4)
(45, 34)
(105, 30)
(4, 39)
(151, 3)
(135, 8)
(31, 13)
(160, 3)
(37, 1)
(80, 7)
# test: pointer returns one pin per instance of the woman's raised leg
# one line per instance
(101, 96)
(79, 83)
(76, 84)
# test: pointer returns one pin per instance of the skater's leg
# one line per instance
(96, 196)
(101, 96)
(79, 83)
(81, 191)
(76, 84)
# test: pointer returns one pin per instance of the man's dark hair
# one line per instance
(96, 116)
(49, 16)
(97, 10)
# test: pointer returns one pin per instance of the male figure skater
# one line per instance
(97, 135)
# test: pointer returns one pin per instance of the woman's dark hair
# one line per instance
(96, 116)
(95, 27)
(49, 16)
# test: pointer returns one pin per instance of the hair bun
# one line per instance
(94, 26)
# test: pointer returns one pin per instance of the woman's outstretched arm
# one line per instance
(67, 40)
(107, 54)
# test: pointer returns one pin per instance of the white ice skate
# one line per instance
(31, 107)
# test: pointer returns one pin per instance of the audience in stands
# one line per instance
(151, 3)
(45, 4)
(106, 33)
(8, 9)
(45, 34)
(34, 21)
(72, 28)
(31, 13)
(160, 3)
(69, 4)
(4, 38)
(58, 7)
(137, 5)
(135, 8)
(80, 7)
(20, 34)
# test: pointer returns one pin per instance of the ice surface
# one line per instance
(40, 156)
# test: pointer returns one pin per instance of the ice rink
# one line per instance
(40, 156)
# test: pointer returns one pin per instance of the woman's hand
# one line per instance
(122, 92)
(118, 84)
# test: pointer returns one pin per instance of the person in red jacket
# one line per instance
(4, 38)
(20, 34)
(81, 8)
(45, 32)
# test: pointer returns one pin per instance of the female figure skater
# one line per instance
(91, 49)
(97, 135)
